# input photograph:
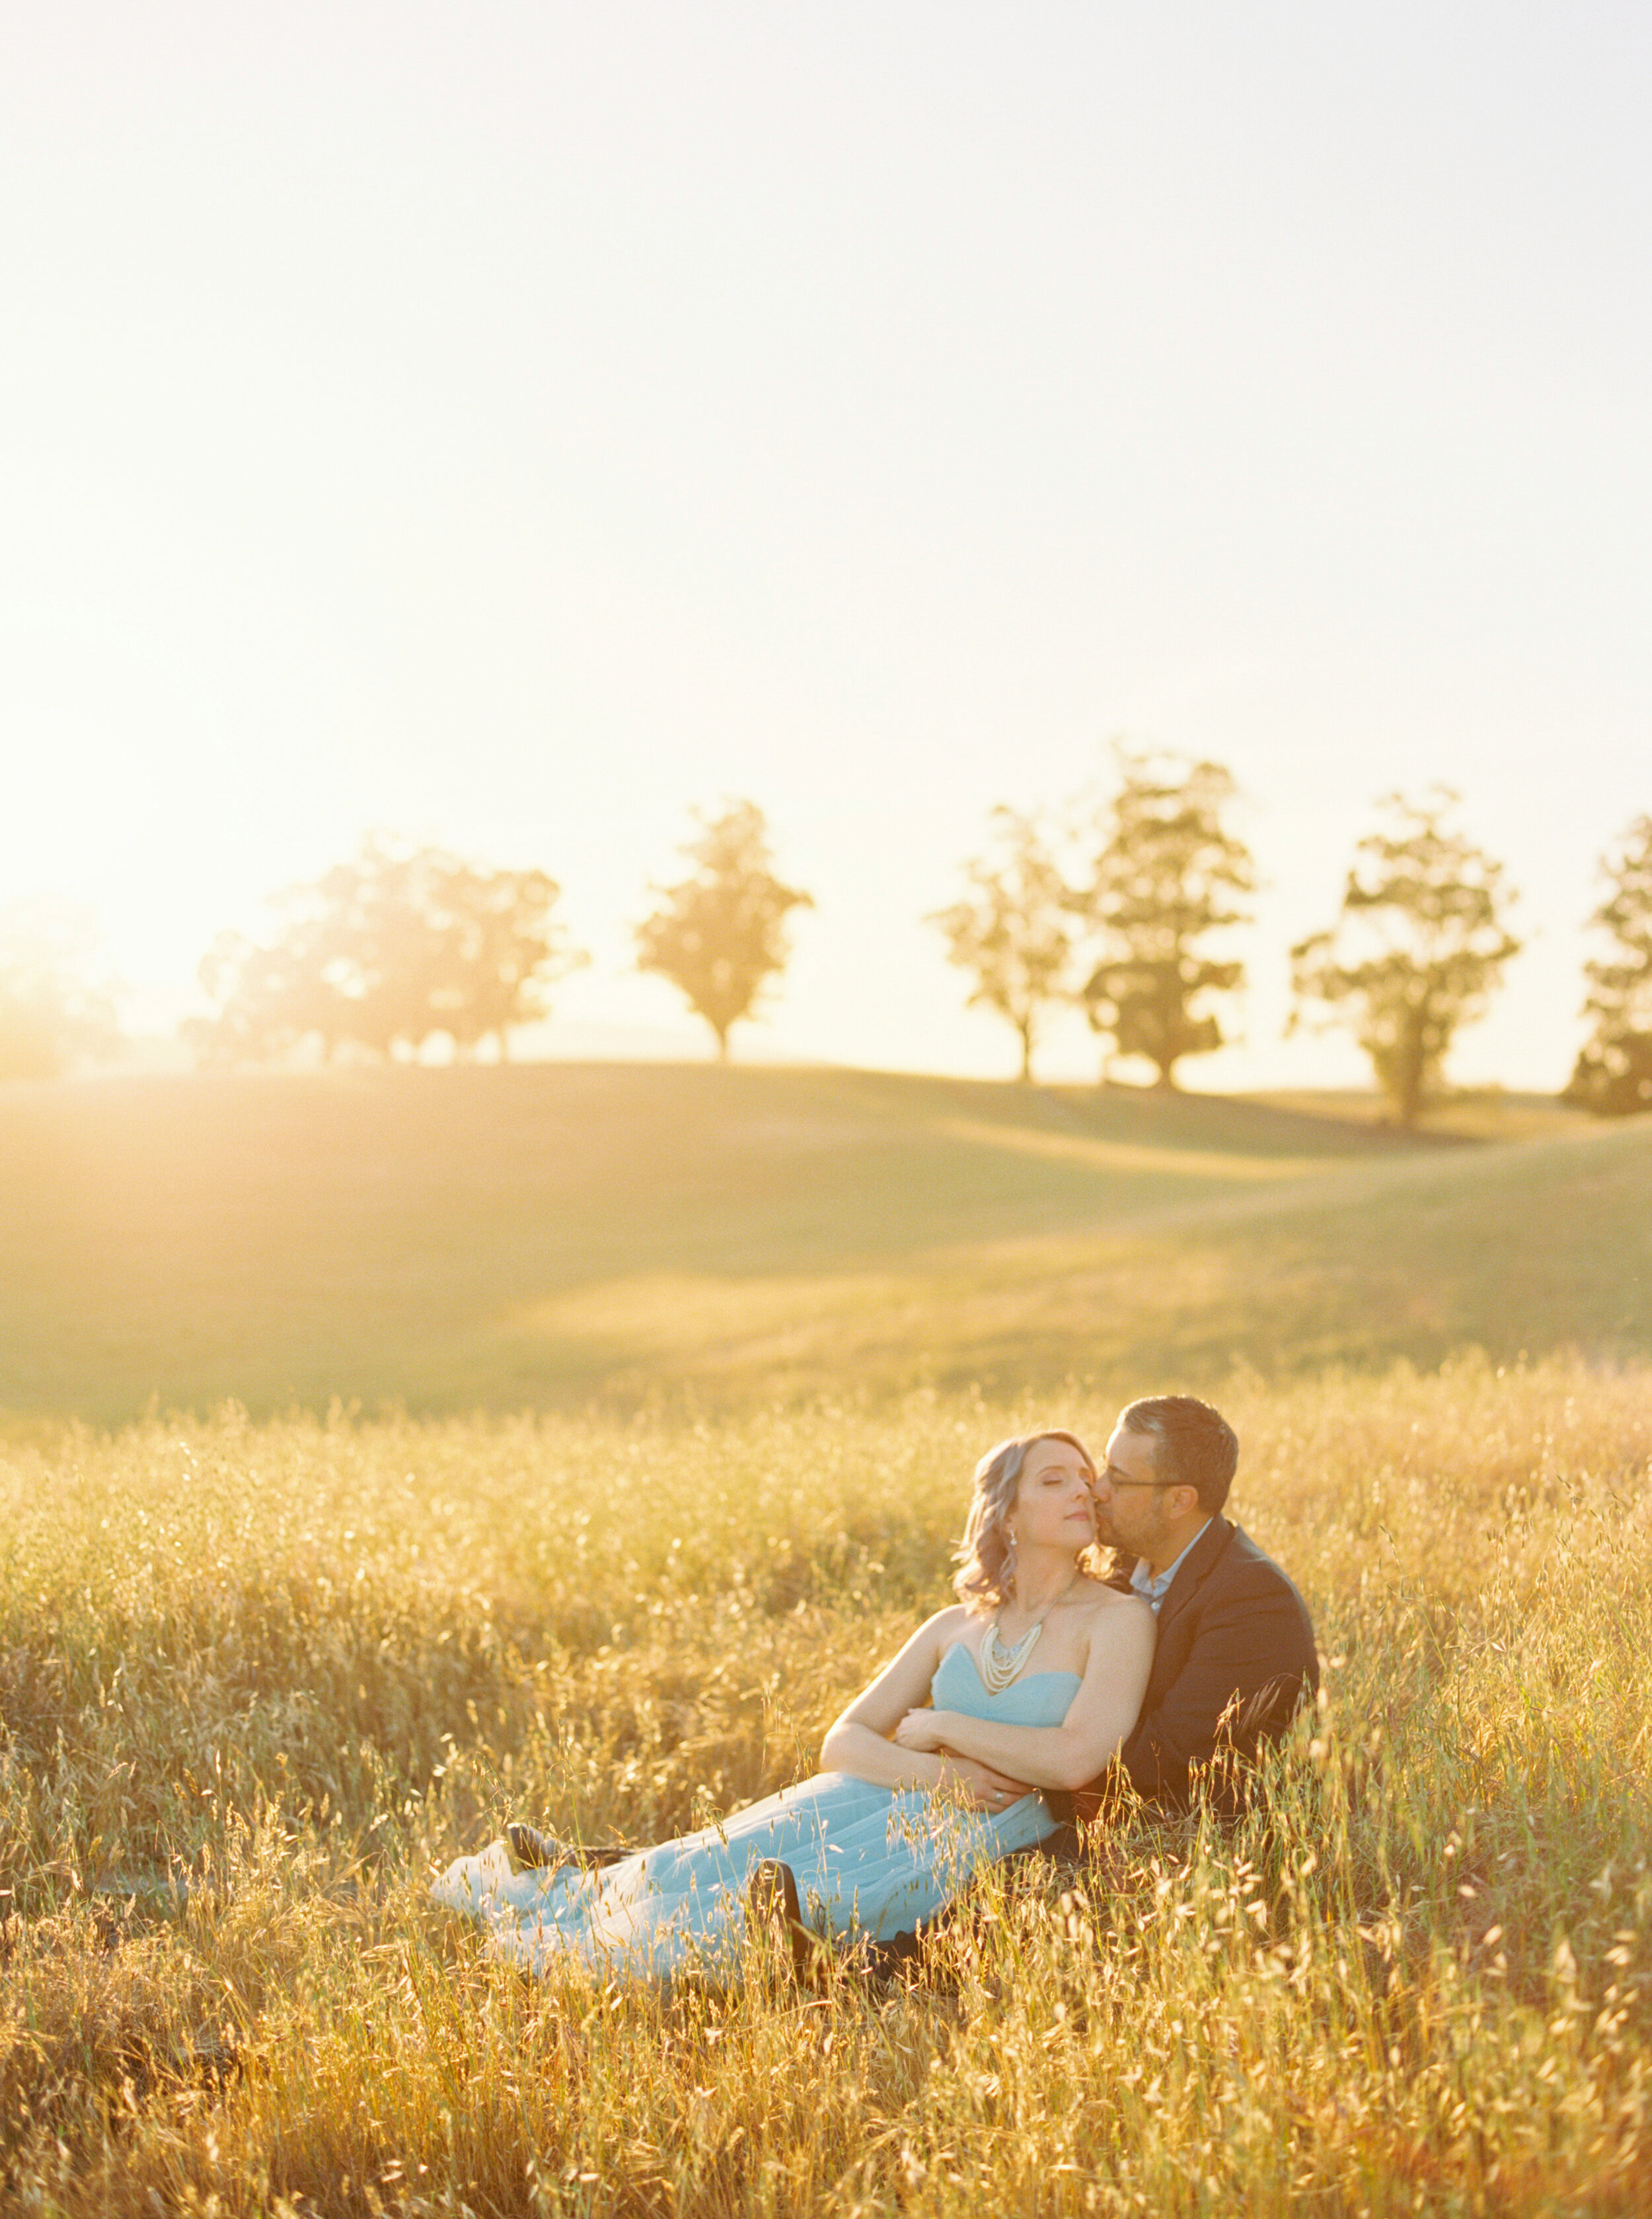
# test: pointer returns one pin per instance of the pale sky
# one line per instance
(511, 425)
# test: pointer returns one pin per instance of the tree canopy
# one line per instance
(720, 935)
(1165, 874)
(1613, 1072)
(1013, 931)
(1418, 950)
(386, 951)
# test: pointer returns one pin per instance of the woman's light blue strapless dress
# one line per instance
(875, 1860)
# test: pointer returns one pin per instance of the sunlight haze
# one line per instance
(511, 427)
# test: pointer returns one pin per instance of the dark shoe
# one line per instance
(771, 1898)
(530, 1850)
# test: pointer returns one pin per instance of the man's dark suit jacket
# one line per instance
(1234, 1657)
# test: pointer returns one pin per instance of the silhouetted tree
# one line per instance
(1014, 930)
(720, 936)
(1613, 1072)
(271, 997)
(52, 1009)
(1419, 949)
(499, 949)
(1163, 880)
(380, 944)
(385, 951)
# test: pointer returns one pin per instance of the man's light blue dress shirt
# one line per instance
(1155, 1586)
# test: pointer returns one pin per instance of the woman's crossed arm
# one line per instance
(859, 1741)
(1086, 1741)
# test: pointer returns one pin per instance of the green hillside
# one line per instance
(555, 1232)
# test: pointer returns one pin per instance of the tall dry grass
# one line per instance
(256, 1680)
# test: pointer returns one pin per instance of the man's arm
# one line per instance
(1252, 1656)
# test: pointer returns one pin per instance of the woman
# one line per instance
(910, 1800)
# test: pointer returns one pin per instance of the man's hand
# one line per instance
(978, 1786)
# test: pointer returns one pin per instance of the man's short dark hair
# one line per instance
(1192, 1444)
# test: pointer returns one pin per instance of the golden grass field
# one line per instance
(259, 1680)
(261, 1675)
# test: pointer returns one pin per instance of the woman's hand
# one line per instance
(923, 1730)
(978, 1786)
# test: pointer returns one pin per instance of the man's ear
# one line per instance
(1186, 1501)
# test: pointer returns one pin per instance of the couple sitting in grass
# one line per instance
(1006, 1721)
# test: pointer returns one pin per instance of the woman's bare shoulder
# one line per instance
(947, 1625)
(1095, 1594)
(1123, 1608)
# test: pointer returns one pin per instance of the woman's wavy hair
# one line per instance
(986, 1578)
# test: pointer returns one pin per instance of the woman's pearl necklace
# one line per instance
(999, 1665)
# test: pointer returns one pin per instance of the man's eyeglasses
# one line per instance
(1106, 1479)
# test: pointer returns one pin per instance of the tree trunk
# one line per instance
(1026, 1073)
(1409, 1074)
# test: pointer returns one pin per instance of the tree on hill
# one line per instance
(270, 996)
(721, 935)
(1418, 948)
(1613, 1072)
(499, 950)
(1013, 931)
(386, 951)
(53, 1008)
(1163, 880)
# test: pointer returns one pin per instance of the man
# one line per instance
(1235, 1653)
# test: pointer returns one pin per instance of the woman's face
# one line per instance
(1053, 1507)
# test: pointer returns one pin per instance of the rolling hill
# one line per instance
(551, 1235)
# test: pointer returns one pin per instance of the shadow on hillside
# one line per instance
(551, 1232)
